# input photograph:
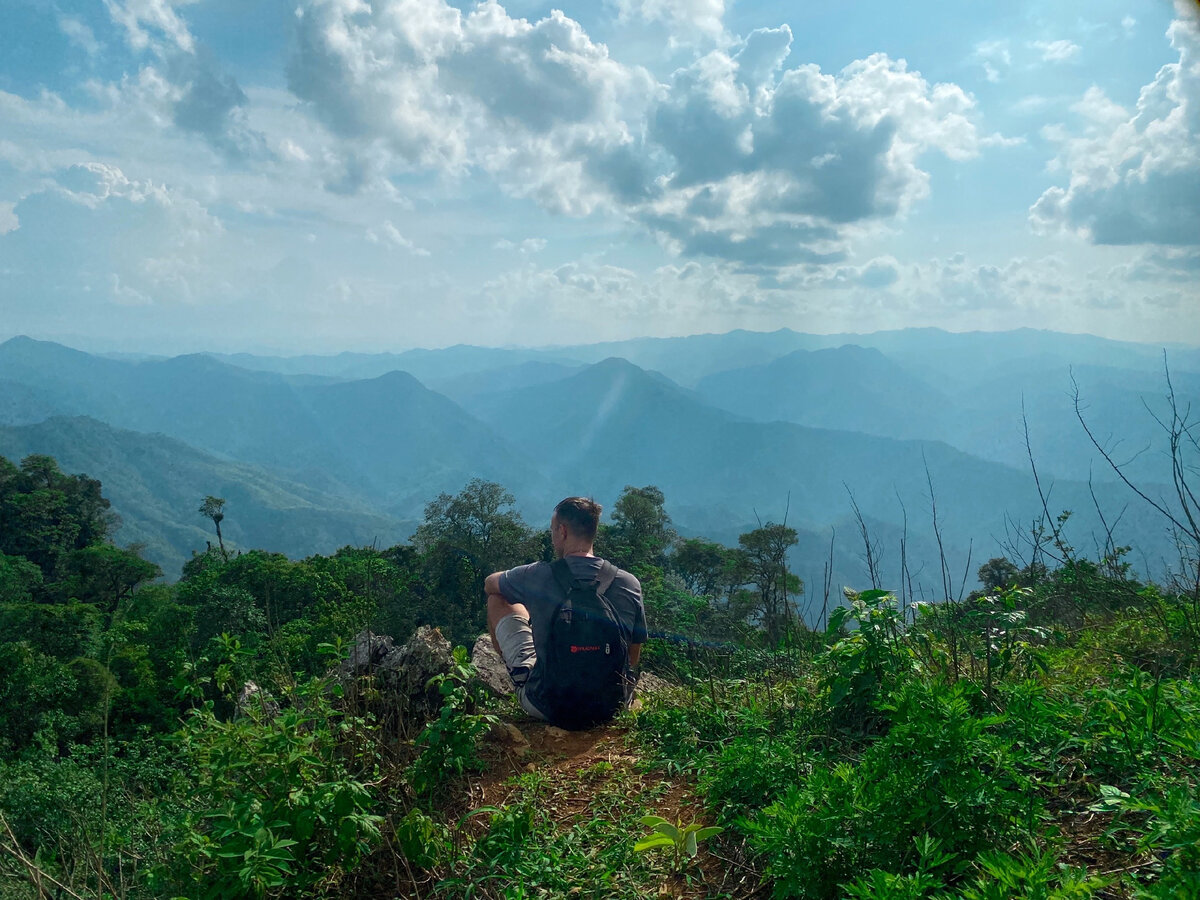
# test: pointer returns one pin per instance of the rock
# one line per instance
(402, 674)
(650, 683)
(492, 671)
(508, 734)
(368, 652)
(558, 734)
(256, 703)
(406, 670)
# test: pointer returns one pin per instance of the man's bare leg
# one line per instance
(497, 609)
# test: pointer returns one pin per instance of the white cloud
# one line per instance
(995, 58)
(389, 234)
(528, 245)
(1128, 25)
(686, 19)
(1134, 177)
(1057, 51)
(95, 231)
(540, 106)
(79, 34)
(146, 22)
(735, 158)
(775, 169)
(8, 218)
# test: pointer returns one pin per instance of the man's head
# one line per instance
(573, 525)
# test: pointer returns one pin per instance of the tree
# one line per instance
(765, 553)
(998, 573)
(464, 538)
(641, 532)
(214, 508)
(702, 565)
(477, 522)
(45, 514)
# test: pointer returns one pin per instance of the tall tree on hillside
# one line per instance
(214, 508)
(641, 531)
(479, 522)
(703, 566)
(765, 551)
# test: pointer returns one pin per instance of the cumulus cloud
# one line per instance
(686, 19)
(186, 86)
(773, 167)
(540, 105)
(1056, 51)
(736, 158)
(1134, 176)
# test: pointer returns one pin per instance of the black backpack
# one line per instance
(586, 653)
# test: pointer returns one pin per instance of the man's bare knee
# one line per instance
(497, 609)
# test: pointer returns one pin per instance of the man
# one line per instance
(522, 602)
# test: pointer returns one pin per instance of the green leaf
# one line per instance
(654, 840)
(651, 820)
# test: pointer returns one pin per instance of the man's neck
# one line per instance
(586, 551)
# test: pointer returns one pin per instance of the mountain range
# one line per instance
(312, 453)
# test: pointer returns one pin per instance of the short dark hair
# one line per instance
(581, 515)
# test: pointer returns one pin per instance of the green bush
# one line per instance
(275, 809)
(939, 773)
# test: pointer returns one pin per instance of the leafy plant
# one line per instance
(448, 743)
(682, 840)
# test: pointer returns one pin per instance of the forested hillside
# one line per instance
(1037, 738)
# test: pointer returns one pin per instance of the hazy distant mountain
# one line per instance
(929, 353)
(425, 365)
(464, 388)
(388, 441)
(156, 484)
(848, 388)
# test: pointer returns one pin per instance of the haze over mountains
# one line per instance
(313, 453)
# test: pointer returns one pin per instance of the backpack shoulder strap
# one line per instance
(608, 572)
(562, 574)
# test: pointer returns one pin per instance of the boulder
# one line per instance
(367, 653)
(492, 671)
(402, 674)
(649, 683)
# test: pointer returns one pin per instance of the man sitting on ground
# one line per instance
(570, 661)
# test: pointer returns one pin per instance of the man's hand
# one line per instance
(635, 654)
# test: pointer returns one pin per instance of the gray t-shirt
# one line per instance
(535, 586)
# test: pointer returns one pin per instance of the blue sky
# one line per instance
(320, 175)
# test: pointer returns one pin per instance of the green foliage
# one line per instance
(682, 840)
(45, 514)
(938, 773)
(448, 743)
(859, 665)
(641, 531)
(276, 808)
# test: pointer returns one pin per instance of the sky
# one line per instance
(326, 175)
